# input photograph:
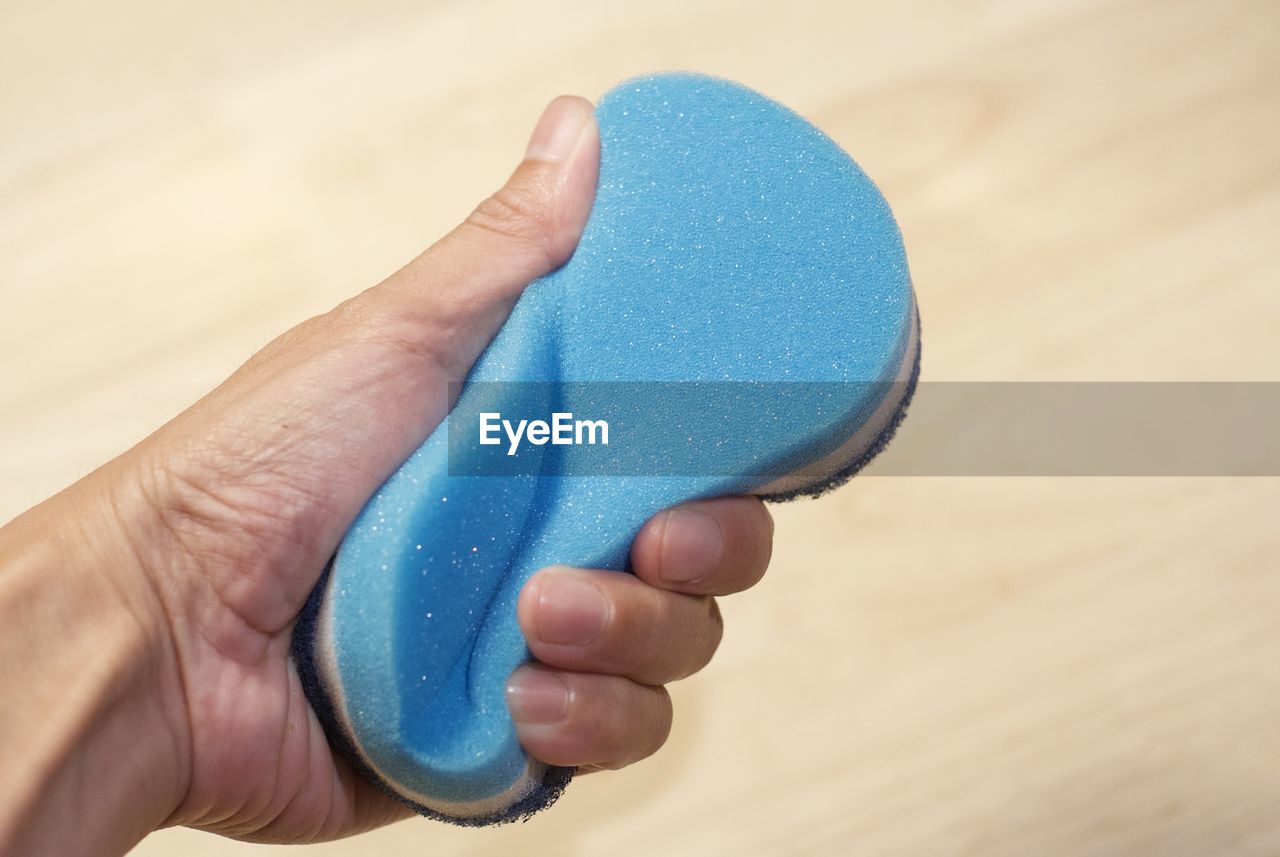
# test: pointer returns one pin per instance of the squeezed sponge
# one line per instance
(731, 244)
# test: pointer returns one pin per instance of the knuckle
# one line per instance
(714, 633)
(664, 636)
(640, 631)
(657, 726)
(764, 542)
(518, 212)
(376, 319)
(751, 547)
(710, 631)
(665, 717)
(618, 722)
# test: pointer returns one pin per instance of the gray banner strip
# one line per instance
(1088, 429)
(951, 428)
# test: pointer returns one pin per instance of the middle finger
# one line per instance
(609, 622)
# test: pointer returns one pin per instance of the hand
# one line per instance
(146, 612)
(607, 642)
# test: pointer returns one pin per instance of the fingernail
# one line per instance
(571, 611)
(557, 132)
(537, 696)
(692, 545)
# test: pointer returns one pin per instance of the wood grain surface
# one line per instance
(963, 666)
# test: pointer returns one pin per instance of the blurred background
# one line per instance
(934, 666)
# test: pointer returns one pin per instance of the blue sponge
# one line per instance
(733, 251)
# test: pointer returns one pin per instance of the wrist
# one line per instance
(94, 728)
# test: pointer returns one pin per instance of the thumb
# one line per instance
(247, 474)
(429, 322)
(462, 288)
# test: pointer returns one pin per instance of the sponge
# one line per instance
(739, 303)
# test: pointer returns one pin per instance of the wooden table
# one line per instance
(935, 666)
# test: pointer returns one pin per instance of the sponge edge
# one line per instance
(540, 787)
(747, 247)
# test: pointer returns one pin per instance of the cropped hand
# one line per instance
(146, 612)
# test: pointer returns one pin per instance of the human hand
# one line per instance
(146, 611)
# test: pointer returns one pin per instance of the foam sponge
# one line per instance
(733, 250)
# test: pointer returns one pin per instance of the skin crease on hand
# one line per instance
(146, 611)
